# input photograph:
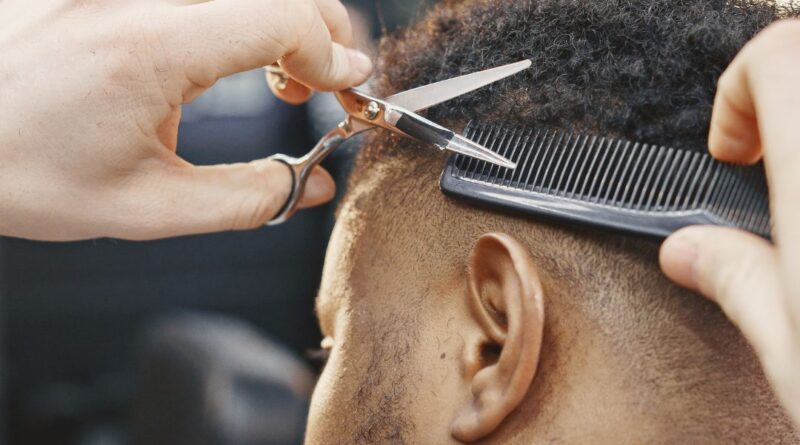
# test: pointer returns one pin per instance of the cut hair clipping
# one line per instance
(606, 183)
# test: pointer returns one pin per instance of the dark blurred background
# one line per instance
(197, 340)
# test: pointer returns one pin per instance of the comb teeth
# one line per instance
(610, 182)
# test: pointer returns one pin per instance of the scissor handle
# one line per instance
(301, 169)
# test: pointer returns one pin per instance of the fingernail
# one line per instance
(679, 260)
(361, 62)
(319, 189)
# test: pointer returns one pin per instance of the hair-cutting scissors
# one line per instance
(396, 113)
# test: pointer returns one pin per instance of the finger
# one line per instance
(287, 89)
(734, 135)
(763, 80)
(739, 272)
(174, 198)
(320, 189)
(338, 21)
(754, 96)
(324, 65)
(214, 39)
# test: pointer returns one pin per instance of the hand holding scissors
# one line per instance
(91, 105)
(397, 114)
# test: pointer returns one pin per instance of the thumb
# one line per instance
(183, 199)
(211, 40)
(738, 271)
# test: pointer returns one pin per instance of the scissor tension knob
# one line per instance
(372, 110)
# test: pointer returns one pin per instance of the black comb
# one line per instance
(632, 187)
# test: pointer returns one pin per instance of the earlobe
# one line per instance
(507, 303)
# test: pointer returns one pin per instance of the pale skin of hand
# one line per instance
(91, 95)
(755, 282)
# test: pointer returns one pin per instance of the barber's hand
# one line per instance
(757, 284)
(90, 101)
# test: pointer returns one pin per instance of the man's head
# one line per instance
(450, 323)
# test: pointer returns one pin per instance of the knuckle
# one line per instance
(339, 12)
(302, 16)
(254, 213)
(281, 27)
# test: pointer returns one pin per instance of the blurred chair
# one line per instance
(213, 380)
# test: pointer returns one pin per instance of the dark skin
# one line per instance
(485, 331)
(451, 324)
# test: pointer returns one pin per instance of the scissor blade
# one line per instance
(424, 130)
(464, 146)
(429, 95)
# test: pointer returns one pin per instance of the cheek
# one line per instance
(361, 393)
(391, 379)
(329, 418)
(367, 392)
(327, 421)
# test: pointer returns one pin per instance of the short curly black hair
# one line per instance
(642, 70)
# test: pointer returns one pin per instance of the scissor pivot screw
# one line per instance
(372, 110)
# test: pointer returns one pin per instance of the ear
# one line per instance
(507, 304)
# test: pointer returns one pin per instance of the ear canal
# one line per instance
(507, 303)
